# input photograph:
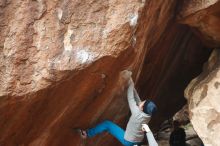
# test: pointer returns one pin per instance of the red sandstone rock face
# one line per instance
(203, 97)
(204, 17)
(60, 62)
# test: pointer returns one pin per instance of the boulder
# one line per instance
(204, 103)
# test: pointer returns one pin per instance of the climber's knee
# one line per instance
(108, 122)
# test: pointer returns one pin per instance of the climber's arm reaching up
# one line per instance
(137, 97)
(131, 98)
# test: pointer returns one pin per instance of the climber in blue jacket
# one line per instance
(141, 112)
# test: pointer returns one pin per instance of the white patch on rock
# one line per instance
(103, 76)
(105, 33)
(40, 30)
(143, 3)
(133, 20)
(60, 13)
(134, 40)
(82, 56)
(67, 40)
(69, 59)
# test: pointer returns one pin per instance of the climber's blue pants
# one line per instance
(113, 129)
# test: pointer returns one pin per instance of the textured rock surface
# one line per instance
(183, 115)
(39, 48)
(204, 18)
(60, 61)
(60, 64)
(204, 104)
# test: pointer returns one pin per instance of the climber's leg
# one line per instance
(112, 128)
(107, 126)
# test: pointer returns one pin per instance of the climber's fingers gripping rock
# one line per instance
(125, 77)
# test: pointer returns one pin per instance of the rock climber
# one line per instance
(141, 112)
(178, 135)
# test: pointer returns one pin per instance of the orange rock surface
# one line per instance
(204, 18)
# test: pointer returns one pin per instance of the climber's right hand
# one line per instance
(145, 128)
(125, 77)
(126, 74)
